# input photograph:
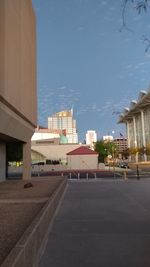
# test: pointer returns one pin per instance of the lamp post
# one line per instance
(113, 156)
(137, 172)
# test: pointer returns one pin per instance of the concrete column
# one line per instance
(128, 138)
(2, 162)
(143, 133)
(128, 134)
(134, 131)
(27, 160)
(135, 138)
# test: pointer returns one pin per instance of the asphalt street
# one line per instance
(104, 223)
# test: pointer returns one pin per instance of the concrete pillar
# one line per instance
(128, 134)
(128, 138)
(27, 160)
(143, 133)
(135, 138)
(2, 162)
(134, 131)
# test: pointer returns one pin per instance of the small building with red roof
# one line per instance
(82, 158)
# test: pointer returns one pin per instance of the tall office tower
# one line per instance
(91, 137)
(63, 120)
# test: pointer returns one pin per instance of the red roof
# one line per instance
(82, 150)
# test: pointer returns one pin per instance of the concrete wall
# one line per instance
(30, 247)
(2, 161)
(18, 110)
(17, 69)
(82, 162)
(42, 136)
(54, 152)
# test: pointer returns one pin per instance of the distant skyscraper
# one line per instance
(108, 138)
(63, 120)
(91, 137)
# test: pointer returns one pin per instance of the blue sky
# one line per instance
(85, 62)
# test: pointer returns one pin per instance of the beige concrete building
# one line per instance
(137, 120)
(42, 134)
(50, 151)
(17, 78)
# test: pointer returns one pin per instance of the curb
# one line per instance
(29, 248)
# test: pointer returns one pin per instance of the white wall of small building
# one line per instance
(82, 161)
(42, 136)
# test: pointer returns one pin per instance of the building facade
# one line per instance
(53, 151)
(82, 158)
(64, 121)
(108, 138)
(91, 138)
(137, 120)
(42, 133)
(121, 146)
(18, 110)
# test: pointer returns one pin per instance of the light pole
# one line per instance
(113, 156)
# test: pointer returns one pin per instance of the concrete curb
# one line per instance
(29, 248)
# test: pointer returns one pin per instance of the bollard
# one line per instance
(87, 175)
(137, 172)
(95, 175)
(70, 175)
(78, 175)
(125, 175)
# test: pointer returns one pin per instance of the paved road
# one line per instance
(101, 224)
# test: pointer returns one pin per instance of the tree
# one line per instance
(140, 6)
(104, 149)
(148, 149)
(100, 148)
(133, 150)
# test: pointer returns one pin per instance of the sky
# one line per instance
(85, 61)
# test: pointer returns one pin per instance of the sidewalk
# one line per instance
(101, 224)
(21, 213)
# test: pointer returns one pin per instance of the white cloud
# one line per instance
(136, 67)
(103, 3)
(129, 66)
(80, 28)
(62, 87)
(142, 63)
(147, 55)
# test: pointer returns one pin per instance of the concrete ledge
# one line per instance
(141, 164)
(29, 248)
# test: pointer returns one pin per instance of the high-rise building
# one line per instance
(63, 120)
(108, 138)
(91, 137)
